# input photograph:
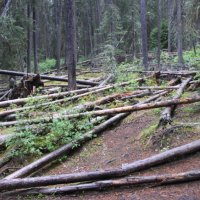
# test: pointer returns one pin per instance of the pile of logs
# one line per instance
(16, 183)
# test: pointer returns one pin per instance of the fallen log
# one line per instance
(175, 81)
(14, 181)
(38, 164)
(92, 113)
(14, 73)
(164, 179)
(166, 116)
(107, 80)
(91, 91)
(178, 73)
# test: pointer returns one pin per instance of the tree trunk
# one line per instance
(144, 33)
(180, 32)
(28, 61)
(169, 8)
(6, 8)
(58, 17)
(159, 30)
(35, 31)
(71, 43)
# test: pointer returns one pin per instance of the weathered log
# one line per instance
(12, 181)
(166, 116)
(175, 81)
(163, 179)
(157, 87)
(14, 73)
(99, 89)
(92, 113)
(62, 95)
(107, 80)
(178, 73)
(38, 164)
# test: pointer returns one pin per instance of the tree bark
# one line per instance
(6, 8)
(71, 43)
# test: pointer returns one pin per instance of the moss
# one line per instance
(148, 132)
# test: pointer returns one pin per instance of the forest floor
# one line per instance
(126, 142)
(123, 144)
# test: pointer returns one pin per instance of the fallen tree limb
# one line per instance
(166, 116)
(13, 182)
(14, 73)
(164, 179)
(38, 164)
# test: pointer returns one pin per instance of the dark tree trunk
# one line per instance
(144, 33)
(169, 25)
(28, 39)
(133, 35)
(159, 27)
(58, 11)
(36, 70)
(180, 32)
(71, 44)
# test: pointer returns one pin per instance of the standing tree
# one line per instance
(58, 17)
(170, 13)
(144, 33)
(71, 43)
(28, 61)
(180, 32)
(159, 30)
(36, 70)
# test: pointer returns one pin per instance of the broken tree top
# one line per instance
(14, 73)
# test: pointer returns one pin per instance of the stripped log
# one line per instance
(163, 179)
(38, 164)
(106, 81)
(14, 73)
(166, 116)
(91, 113)
(14, 181)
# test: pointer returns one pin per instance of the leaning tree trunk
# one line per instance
(71, 44)
(144, 33)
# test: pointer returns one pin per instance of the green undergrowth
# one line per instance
(148, 132)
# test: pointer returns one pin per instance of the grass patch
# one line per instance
(147, 133)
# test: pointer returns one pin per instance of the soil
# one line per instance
(122, 144)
